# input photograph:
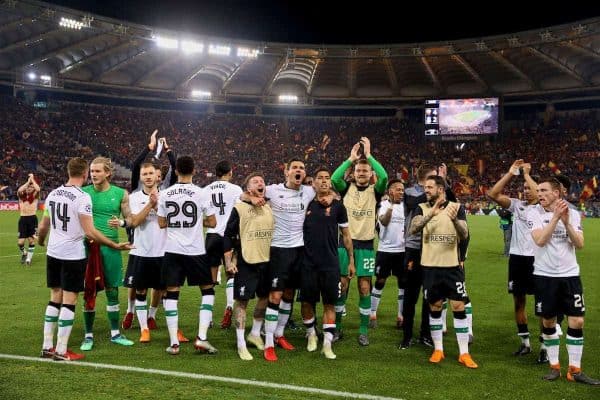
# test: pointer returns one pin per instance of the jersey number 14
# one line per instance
(59, 211)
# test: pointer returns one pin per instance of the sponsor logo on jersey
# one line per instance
(362, 213)
(441, 238)
(258, 235)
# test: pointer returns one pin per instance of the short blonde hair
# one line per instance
(77, 167)
(108, 165)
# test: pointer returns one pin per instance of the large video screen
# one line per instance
(456, 117)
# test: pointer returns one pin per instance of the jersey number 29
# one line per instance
(188, 209)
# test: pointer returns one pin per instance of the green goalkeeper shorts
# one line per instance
(113, 266)
(364, 261)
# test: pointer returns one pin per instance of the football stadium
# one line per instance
(194, 212)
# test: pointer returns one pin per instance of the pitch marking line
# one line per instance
(214, 378)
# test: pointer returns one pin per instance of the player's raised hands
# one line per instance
(366, 146)
(514, 168)
(354, 152)
(152, 144)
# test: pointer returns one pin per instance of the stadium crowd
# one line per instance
(40, 141)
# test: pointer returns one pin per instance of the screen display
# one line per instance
(461, 117)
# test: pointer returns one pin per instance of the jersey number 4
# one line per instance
(188, 209)
(59, 211)
(219, 204)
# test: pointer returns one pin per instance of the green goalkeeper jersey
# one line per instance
(105, 205)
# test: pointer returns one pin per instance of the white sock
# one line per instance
(172, 319)
(552, 343)
(65, 325)
(142, 313)
(469, 312)
(229, 292)
(152, 312)
(437, 336)
(400, 302)
(50, 321)
(444, 315)
(462, 335)
(208, 300)
(575, 350)
(241, 341)
(256, 325)
(271, 317)
(310, 326)
(30, 250)
(130, 306)
(283, 317)
(327, 335)
(375, 299)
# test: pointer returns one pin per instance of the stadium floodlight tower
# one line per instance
(201, 94)
(219, 50)
(166, 42)
(288, 99)
(191, 47)
(71, 23)
(247, 53)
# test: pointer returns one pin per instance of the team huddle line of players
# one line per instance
(284, 240)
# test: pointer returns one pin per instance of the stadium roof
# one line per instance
(48, 45)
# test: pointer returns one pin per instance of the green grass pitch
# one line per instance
(380, 369)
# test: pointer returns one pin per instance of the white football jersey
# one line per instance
(391, 237)
(185, 205)
(63, 206)
(149, 240)
(557, 257)
(289, 209)
(223, 196)
(521, 242)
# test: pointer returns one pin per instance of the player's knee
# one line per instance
(208, 291)
(364, 286)
(140, 296)
(576, 322)
(275, 297)
(457, 306)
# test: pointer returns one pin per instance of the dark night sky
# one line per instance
(336, 22)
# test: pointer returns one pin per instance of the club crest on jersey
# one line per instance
(88, 208)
